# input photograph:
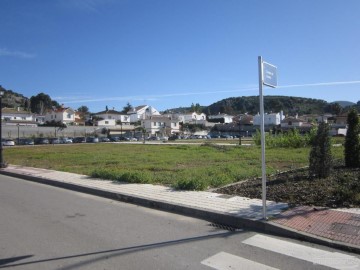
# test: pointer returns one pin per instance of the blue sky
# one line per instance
(172, 53)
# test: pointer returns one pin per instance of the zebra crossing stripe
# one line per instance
(225, 261)
(334, 260)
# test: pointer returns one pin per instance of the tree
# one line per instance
(83, 109)
(352, 144)
(27, 104)
(127, 108)
(334, 108)
(320, 160)
(40, 103)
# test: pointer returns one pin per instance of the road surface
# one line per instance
(43, 227)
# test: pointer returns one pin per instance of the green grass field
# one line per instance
(183, 166)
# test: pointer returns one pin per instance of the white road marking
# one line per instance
(226, 261)
(334, 260)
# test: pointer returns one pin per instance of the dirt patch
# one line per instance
(341, 189)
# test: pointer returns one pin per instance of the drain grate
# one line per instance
(224, 227)
(345, 228)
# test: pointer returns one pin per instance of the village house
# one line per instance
(192, 118)
(18, 117)
(162, 125)
(111, 118)
(271, 119)
(141, 112)
(62, 114)
(221, 118)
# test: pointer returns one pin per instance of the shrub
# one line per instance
(320, 155)
(348, 190)
(127, 176)
(291, 139)
(104, 174)
(190, 184)
(352, 144)
(136, 177)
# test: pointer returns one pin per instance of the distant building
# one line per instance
(62, 114)
(192, 118)
(18, 116)
(111, 117)
(141, 112)
(161, 125)
(221, 118)
(271, 119)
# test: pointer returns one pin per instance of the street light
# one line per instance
(2, 163)
(18, 138)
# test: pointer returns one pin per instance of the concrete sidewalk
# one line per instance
(335, 228)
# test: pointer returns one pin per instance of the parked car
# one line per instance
(41, 141)
(174, 137)
(66, 140)
(114, 139)
(54, 141)
(104, 139)
(7, 142)
(25, 141)
(79, 140)
(92, 140)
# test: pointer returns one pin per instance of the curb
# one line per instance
(214, 217)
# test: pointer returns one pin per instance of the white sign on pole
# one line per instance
(267, 76)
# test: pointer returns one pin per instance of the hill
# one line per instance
(344, 103)
(12, 99)
(289, 105)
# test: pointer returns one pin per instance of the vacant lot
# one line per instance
(182, 166)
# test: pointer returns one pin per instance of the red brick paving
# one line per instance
(332, 224)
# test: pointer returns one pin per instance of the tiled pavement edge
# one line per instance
(323, 226)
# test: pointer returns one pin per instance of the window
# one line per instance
(106, 122)
(154, 124)
(68, 115)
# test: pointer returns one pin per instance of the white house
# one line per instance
(292, 122)
(106, 122)
(161, 125)
(269, 119)
(62, 114)
(141, 112)
(111, 117)
(192, 118)
(221, 118)
(17, 117)
(39, 118)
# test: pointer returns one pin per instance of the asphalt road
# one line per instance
(43, 227)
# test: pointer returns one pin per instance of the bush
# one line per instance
(190, 184)
(291, 139)
(127, 176)
(352, 144)
(320, 155)
(348, 190)
(136, 177)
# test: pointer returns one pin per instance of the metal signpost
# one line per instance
(267, 76)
